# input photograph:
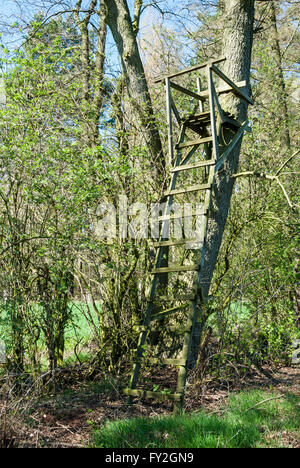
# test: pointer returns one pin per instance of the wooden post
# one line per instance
(199, 91)
(212, 114)
(187, 342)
(169, 121)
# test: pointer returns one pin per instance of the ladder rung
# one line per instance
(180, 297)
(173, 329)
(148, 394)
(175, 268)
(182, 216)
(193, 188)
(180, 331)
(162, 361)
(194, 142)
(171, 243)
(198, 117)
(186, 167)
(165, 313)
(194, 245)
(167, 362)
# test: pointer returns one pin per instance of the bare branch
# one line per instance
(286, 162)
(275, 178)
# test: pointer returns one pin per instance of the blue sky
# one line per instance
(11, 12)
(7, 6)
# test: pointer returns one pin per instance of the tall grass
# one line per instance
(242, 425)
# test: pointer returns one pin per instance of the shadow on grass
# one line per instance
(241, 426)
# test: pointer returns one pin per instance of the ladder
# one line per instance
(207, 159)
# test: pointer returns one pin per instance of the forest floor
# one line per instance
(69, 417)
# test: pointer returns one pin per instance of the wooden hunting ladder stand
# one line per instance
(205, 119)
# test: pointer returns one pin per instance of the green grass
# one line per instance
(78, 333)
(239, 427)
(79, 329)
(238, 313)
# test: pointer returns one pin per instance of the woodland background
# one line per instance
(70, 138)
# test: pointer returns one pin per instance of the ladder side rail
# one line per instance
(183, 370)
(189, 155)
(211, 175)
(232, 144)
(217, 103)
(186, 348)
(212, 114)
(175, 111)
(158, 259)
(172, 186)
(169, 121)
(201, 107)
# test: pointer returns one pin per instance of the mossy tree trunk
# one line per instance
(124, 32)
(238, 19)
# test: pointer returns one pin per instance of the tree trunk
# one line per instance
(282, 95)
(92, 100)
(237, 45)
(119, 21)
(99, 71)
(124, 32)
